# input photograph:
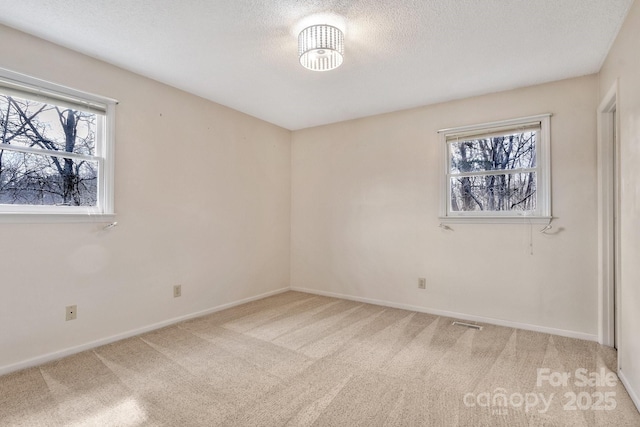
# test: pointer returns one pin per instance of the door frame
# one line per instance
(607, 307)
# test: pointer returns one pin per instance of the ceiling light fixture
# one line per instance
(321, 47)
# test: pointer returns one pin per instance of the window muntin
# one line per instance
(55, 149)
(497, 170)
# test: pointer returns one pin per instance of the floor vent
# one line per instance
(468, 325)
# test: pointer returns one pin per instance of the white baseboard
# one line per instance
(39, 360)
(632, 393)
(461, 316)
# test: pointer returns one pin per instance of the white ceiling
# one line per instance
(398, 53)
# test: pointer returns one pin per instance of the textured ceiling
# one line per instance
(398, 53)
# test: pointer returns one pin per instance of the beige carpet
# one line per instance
(298, 360)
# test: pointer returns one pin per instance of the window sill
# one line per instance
(496, 219)
(53, 218)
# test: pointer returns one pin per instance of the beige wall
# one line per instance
(202, 199)
(623, 64)
(365, 205)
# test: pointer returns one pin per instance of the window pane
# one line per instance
(509, 151)
(29, 123)
(33, 179)
(506, 192)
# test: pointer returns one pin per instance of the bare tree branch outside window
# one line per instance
(50, 177)
(494, 173)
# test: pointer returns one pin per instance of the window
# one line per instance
(497, 171)
(56, 149)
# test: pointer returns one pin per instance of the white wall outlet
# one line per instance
(72, 312)
(422, 283)
(177, 291)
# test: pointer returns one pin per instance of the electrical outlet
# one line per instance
(177, 291)
(422, 283)
(72, 312)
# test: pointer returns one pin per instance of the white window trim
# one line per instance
(105, 151)
(543, 184)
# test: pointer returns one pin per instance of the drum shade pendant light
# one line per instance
(321, 47)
